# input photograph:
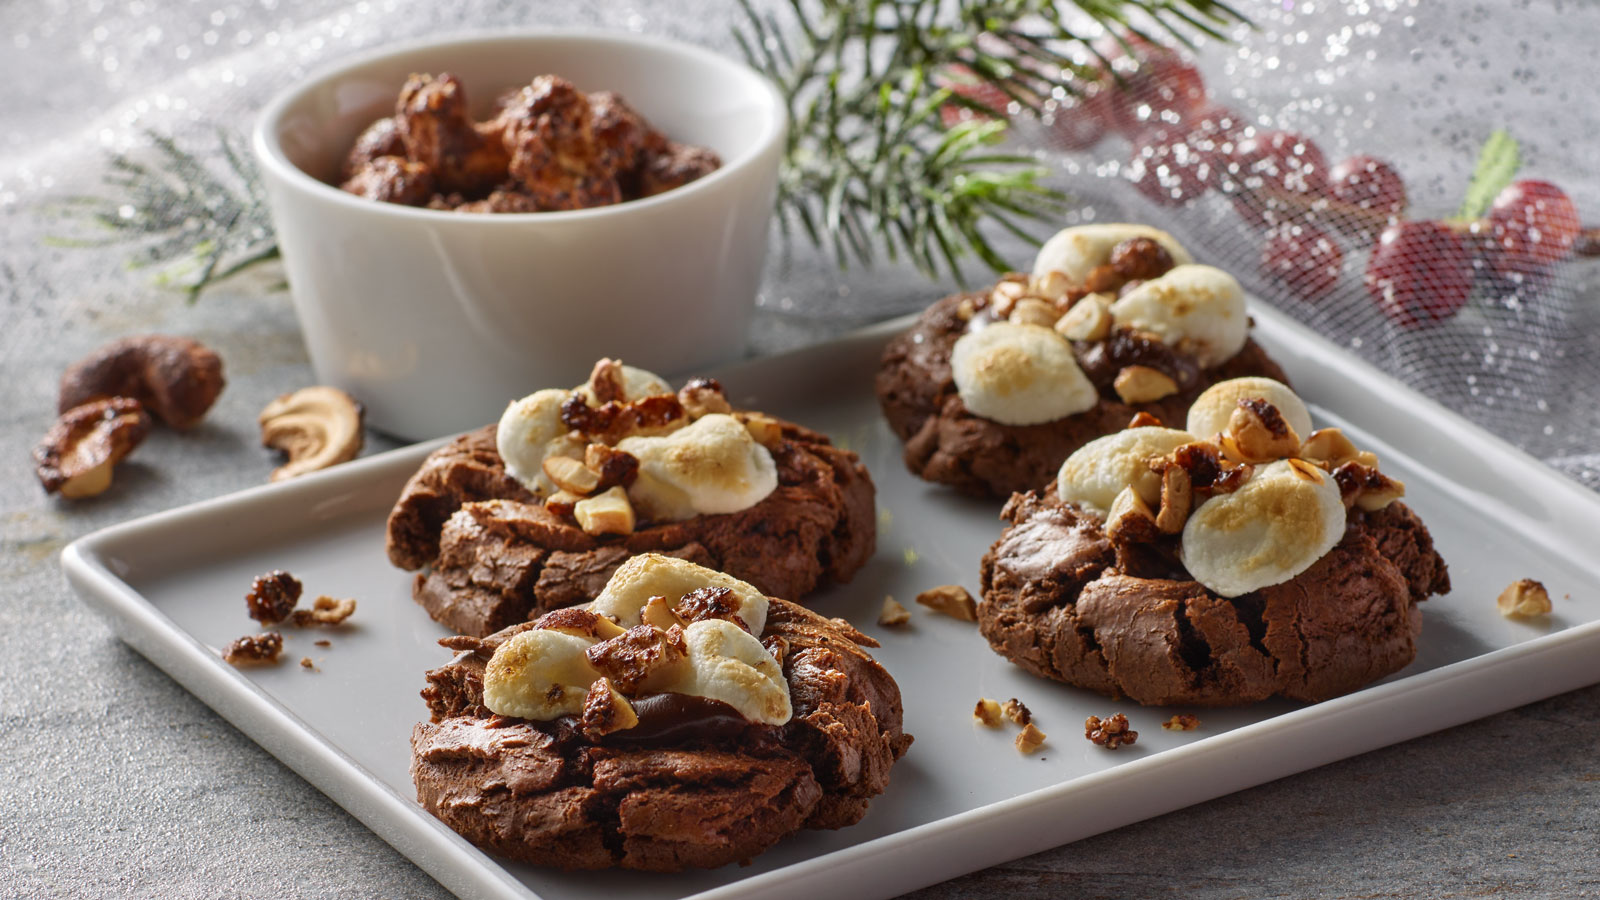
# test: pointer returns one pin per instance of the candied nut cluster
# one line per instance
(1524, 598)
(76, 456)
(951, 599)
(273, 597)
(254, 649)
(1111, 732)
(548, 147)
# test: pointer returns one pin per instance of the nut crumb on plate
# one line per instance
(1524, 598)
(254, 649)
(323, 643)
(273, 596)
(1111, 732)
(987, 712)
(1182, 722)
(1017, 712)
(306, 663)
(325, 611)
(893, 614)
(1030, 738)
(951, 599)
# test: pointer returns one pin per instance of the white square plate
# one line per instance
(173, 584)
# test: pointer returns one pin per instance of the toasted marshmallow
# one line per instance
(1284, 519)
(654, 575)
(1209, 414)
(531, 431)
(539, 674)
(637, 384)
(1019, 375)
(1099, 470)
(1199, 309)
(727, 664)
(712, 466)
(1076, 251)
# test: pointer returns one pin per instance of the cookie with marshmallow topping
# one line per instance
(991, 391)
(680, 719)
(1246, 556)
(537, 511)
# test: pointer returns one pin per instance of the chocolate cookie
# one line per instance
(945, 442)
(693, 785)
(494, 555)
(1064, 601)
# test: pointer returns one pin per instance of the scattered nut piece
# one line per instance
(1111, 732)
(325, 611)
(613, 466)
(79, 451)
(1004, 297)
(606, 711)
(1130, 520)
(1177, 498)
(571, 475)
(1142, 384)
(306, 663)
(1143, 419)
(1366, 487)
(1052, 284)
(1182, 722)
(175, 378)
(1034, 311)
(658, 612)
(1258, 432)
(1016, 711)
(316, 427)
(273, 597)
(607, 513)
(1030, 738)
(764, 430)
(987, 712)
(1306, 471)
(579, 622)
(1328, 446)
(1088, 320)
(702, 397)
(952, 600)
(607, 383)
(966, 309)
(893, 614)
(1523, 599)
(323, 643)
(254, 649)
(561, 503)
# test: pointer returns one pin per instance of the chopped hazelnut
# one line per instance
(702, 397)
(605, 711)
(613, 466)
(965, 310)
(1016, 711)
(987, 712)
(1130, 519)
(1111, 732)
(1143, 419)
(1088, 320)
(1030, 738)
(951, 599)
(1257, 432)
(764, 430)
(254, 649)
(1142, 384)
(579, 622)
(658, 612)
(272, 597)
(1524, 598)
(607, 513)
(1181, 722)
(1328, 446)
(571, 475)
(1004, 297)
(1177, 497)
(607, 383)
(642, 658)
(561, 503)
(325, 611)
(1033, 311)
(1052, 284)
(893, 614)
(1366, 487)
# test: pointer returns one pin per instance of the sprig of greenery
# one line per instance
(200, 225)
(1498, 163)
(870, 164)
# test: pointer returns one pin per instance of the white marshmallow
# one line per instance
(654, 575)
(637, 384)
(712, 466)
(530, 431)
(726, 663)
(1209, 414)
(1093, 476)
(1019, 375)
(539, 674)
(1280, 522)
(1199, 309)
(1076, 251)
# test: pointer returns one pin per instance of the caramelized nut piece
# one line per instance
(966, 309)
(1016, 711)
(571, 475)
(316, 427)
(1088, 320)
(175, 378)
(952, 600)
(777, 646)
(1181, 722)
(1030, 738)
(1111, 732)
(1366, 487)
(658, 612)
(607, 513)
(273, 597)
(641, 659)
(1143, 419)
(1142, 384)
(561, 503)
(613, 466)
(1052, 284)
(607, 383)
(1033, 311)
(987, 712)
(710, 602)
(579, 622)
(893, 614)
(702, 397)
(1177, 498)
(325, 611)
(77, 454)
(1004, 297)
(605, 711)
(1130, 520)
(1328, 446)
(1524, 598)
(254, 649)
(764, 430)
(1257, 432)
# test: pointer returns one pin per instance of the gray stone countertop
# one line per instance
(119, 783)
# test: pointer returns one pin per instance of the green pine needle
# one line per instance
(1498, 163)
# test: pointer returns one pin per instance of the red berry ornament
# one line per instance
(1532, 223)
(1420, 273)
(1304, 259)
(1369, 184)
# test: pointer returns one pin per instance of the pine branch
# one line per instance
(871, 167)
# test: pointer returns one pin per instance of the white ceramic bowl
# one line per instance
(435, 320)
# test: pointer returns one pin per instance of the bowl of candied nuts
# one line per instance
(463, 218)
